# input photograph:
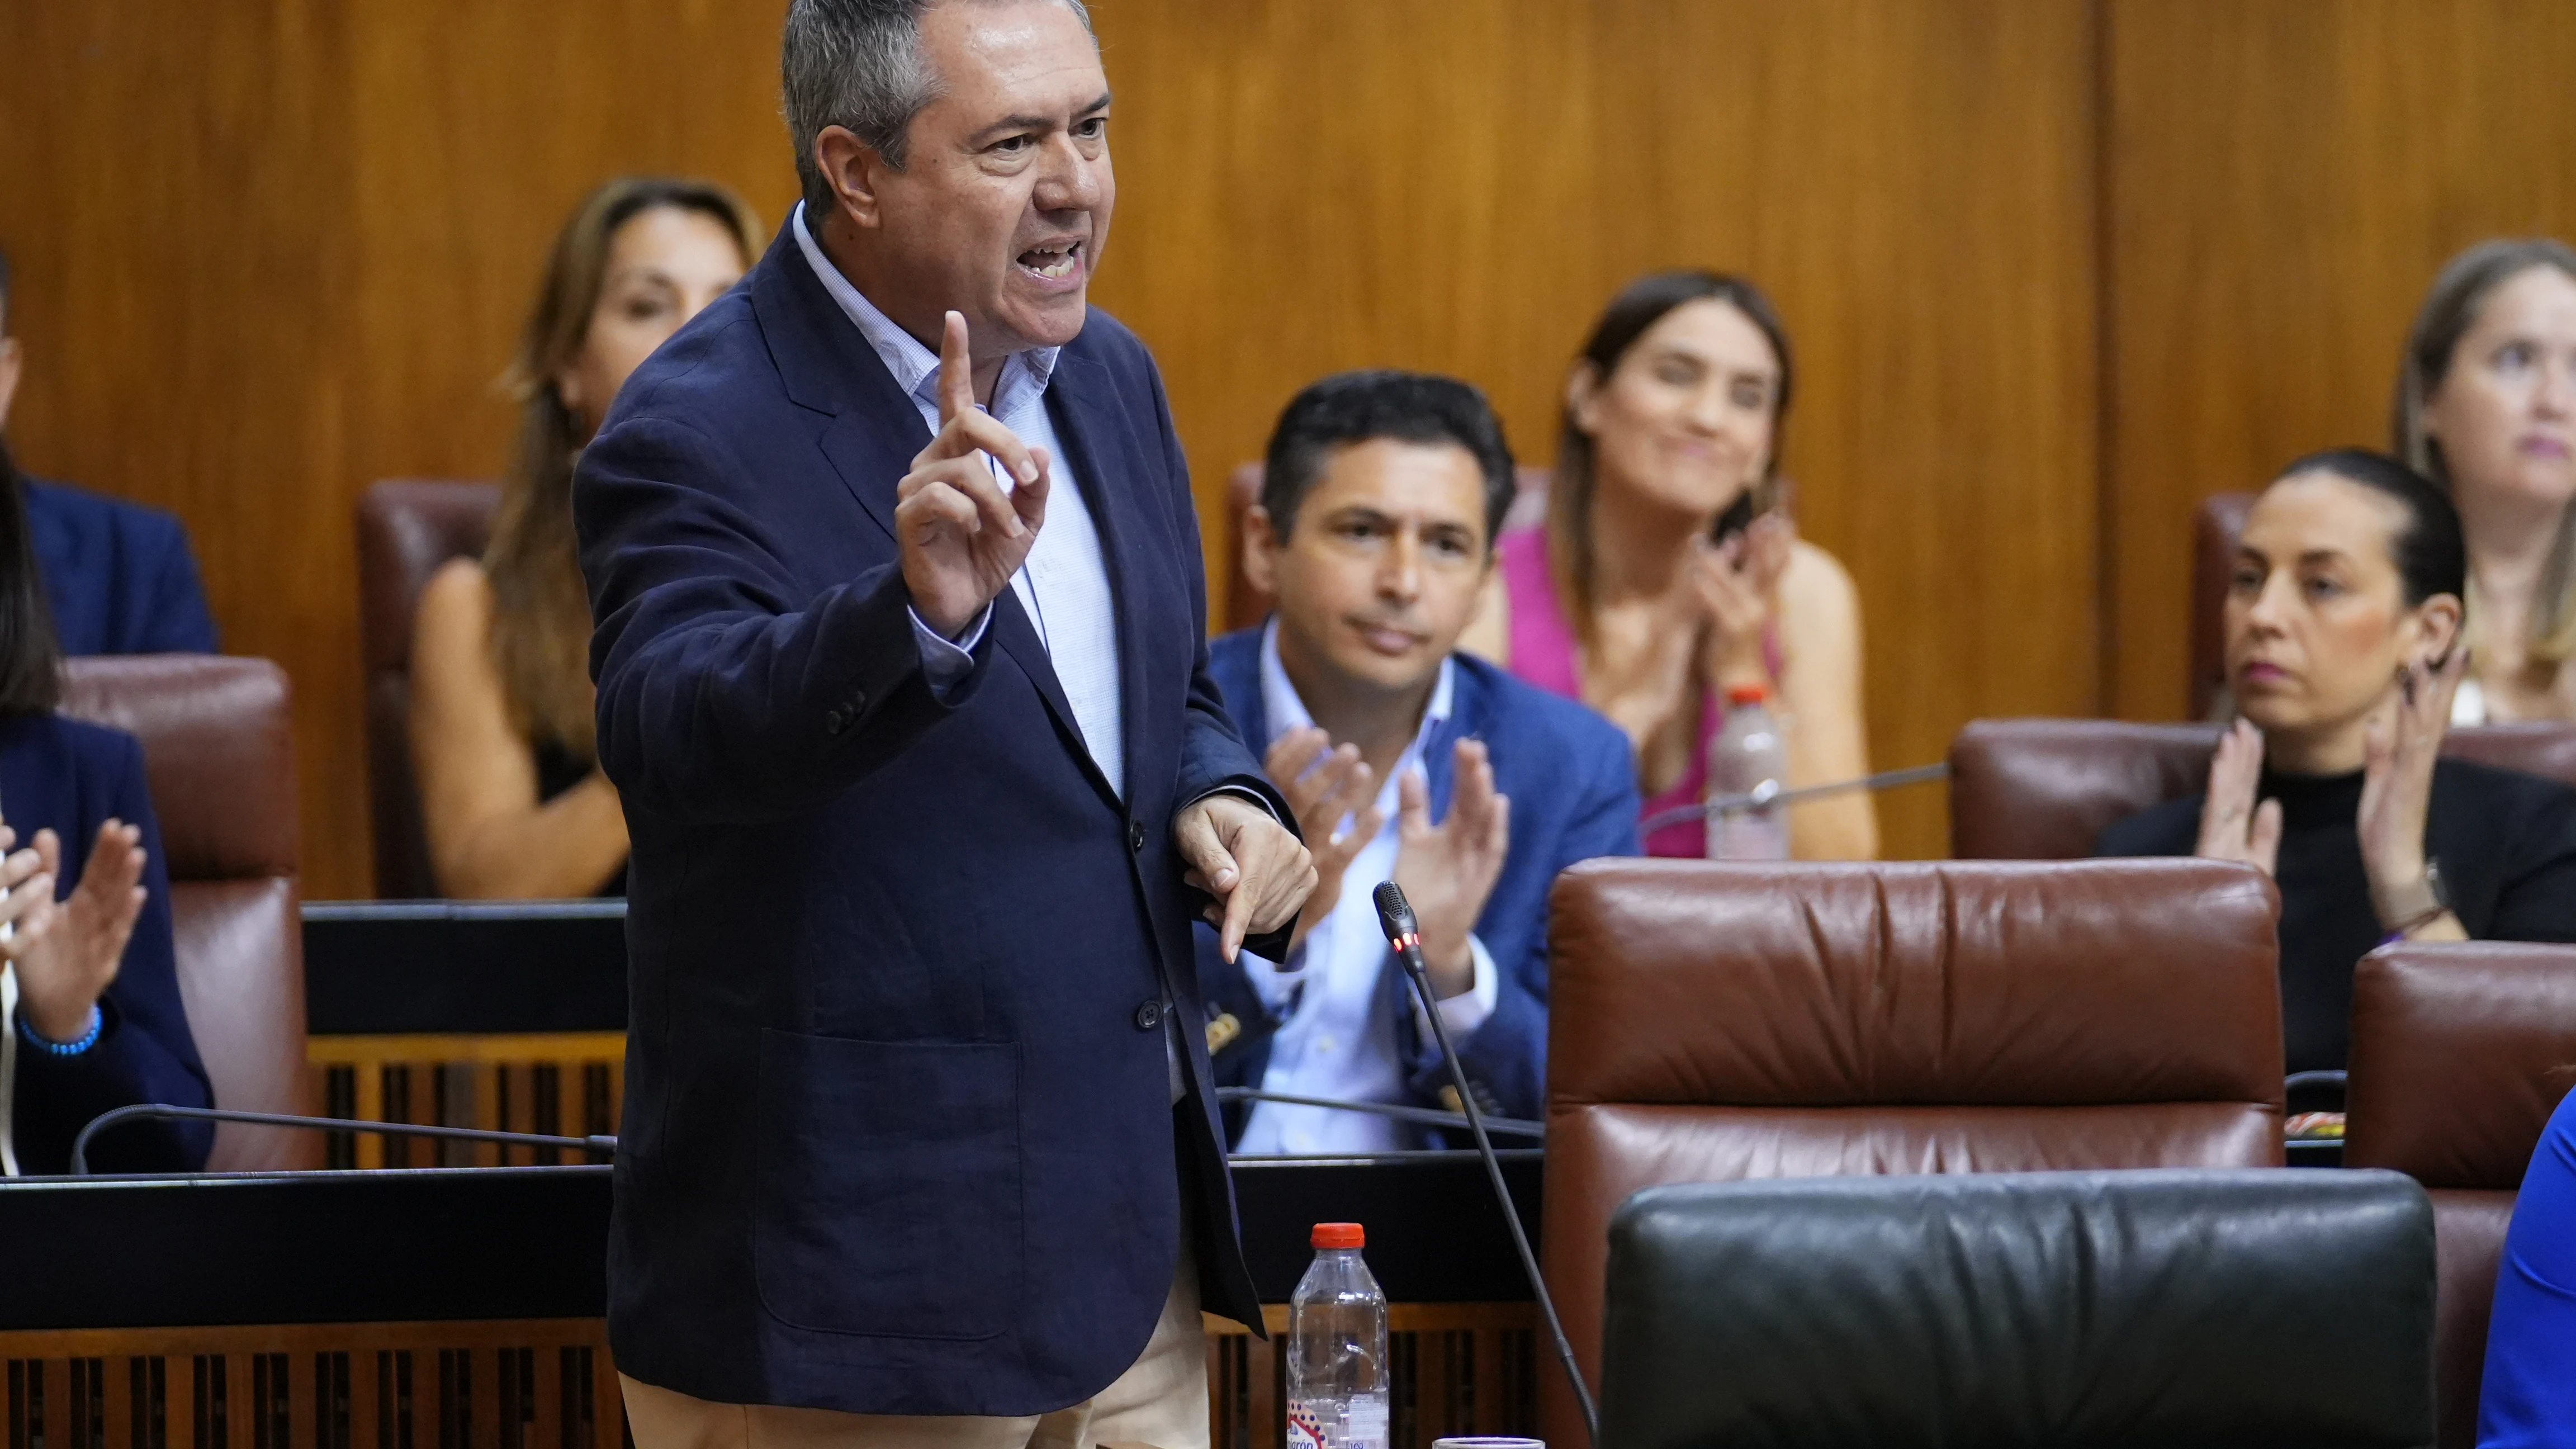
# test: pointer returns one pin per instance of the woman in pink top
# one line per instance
(1622, 600)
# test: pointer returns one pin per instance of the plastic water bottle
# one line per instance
(1747, 757)
(1337, 1374)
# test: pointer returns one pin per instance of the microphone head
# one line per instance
(1394, 913)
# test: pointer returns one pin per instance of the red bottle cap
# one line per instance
(1340, 1235)
(1746, 694)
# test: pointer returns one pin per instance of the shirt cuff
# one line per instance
(1467, 1010)
(1240, 793)
(947, 664)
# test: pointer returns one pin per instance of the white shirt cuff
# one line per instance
(944, 662)
(1467, 1010)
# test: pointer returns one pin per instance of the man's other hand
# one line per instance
(1251, 863)
(962, 537)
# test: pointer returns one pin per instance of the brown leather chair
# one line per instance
(2215, 527)
(1715, 1021)
(1246, 606)
(2460, 1051)
(407, 527)
(221, 764)
(2042, 789)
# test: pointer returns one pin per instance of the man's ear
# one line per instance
(8, 376)
(1261, 545)
(851, 167)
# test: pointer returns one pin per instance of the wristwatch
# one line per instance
(2415, 905)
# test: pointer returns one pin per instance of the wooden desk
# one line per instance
(463, 1308)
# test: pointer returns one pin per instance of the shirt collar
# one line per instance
(915, 367)
(1284, 711)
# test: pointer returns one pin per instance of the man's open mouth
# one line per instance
(1054, 261)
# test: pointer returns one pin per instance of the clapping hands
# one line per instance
(66, 952)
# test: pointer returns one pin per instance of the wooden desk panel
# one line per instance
(559, 1083)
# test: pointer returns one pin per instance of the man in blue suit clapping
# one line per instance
(1379, 506)
(902, 684)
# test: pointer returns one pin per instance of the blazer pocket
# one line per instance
(887, 1185)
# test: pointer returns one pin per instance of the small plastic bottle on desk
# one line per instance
(1337, 1372)
(1747, 757)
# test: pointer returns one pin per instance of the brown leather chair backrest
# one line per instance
(407, 528)
(2215, 527)
(1246, 606)
(1714, 1021)
(2460, 1051)
(220, 757)
(2043, 789)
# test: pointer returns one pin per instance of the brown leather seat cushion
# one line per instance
(407, 528)
(219, 755)
(2043, 789)
(1712, 1021)
(2460, 1052)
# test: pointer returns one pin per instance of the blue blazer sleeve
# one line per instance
(726, 694)
(2529, 1396)
(1506, 1058)
(174, 618)
(144, 1052)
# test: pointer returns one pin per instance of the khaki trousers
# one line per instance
(1161, 1400)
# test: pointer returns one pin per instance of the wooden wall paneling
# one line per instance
(2286, 177)
(318, 267)
(1313, 186)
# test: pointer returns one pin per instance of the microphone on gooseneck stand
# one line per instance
(1395, 917)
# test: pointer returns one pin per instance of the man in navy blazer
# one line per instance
(119, 577)
(1381, 498)
(901, 672)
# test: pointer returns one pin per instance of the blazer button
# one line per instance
(1149, 1016)
(836, 719)
(1136, 836)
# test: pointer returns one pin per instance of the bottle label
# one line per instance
(1358, 1422)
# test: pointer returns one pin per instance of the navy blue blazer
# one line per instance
(1572, 779)
(70, 777)
(119, 575)
(899, 1135)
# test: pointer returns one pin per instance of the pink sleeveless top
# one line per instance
(1544, 651)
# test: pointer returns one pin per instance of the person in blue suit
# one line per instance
(119, 577)
(1405, 760)
(2528, 1399)
(91, 990)
(901, 668)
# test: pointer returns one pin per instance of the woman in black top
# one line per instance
(2343, 651)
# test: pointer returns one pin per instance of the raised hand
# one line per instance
(1448, 870)
(1738, 583)
(2232, 826)
(66, 952)
(961, 535)
(1254, 867)
(2398, 751)
(1325, 785)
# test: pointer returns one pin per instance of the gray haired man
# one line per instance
(920, 1142)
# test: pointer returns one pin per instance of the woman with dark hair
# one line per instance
(90, 1016)
(2343, 651)
(511, 792)
(1669, 576)
(2486, 408)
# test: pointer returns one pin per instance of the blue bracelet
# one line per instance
(88, 1039)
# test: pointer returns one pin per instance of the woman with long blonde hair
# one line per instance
(2486, 408)
(501, 721)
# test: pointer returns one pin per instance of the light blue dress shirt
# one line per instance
(1335, 1041)
(1064, 585)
